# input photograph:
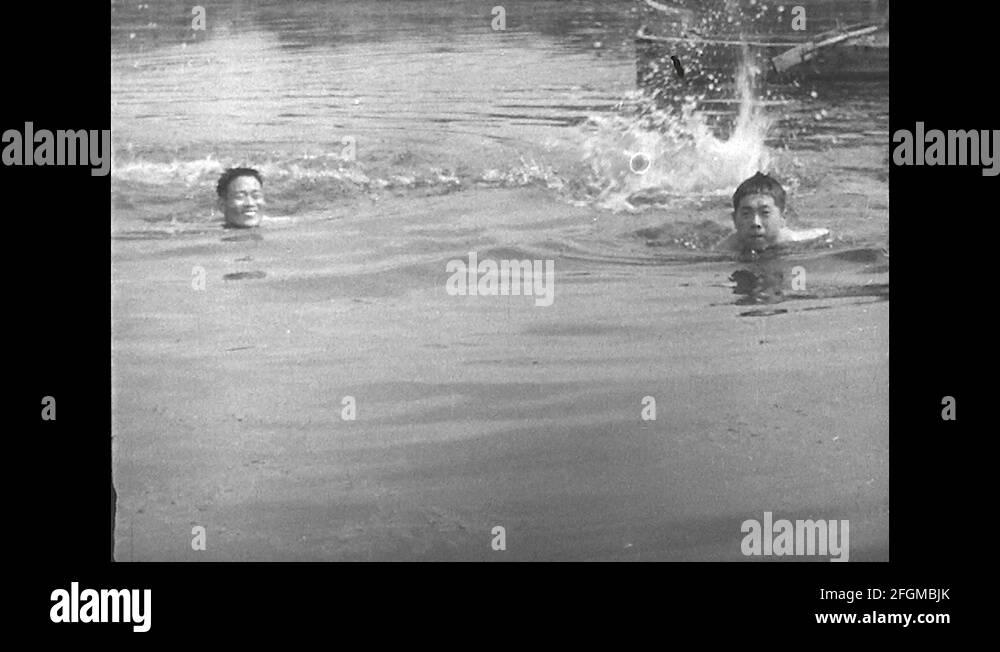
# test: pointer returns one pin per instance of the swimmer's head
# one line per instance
(758, 212)
(241, 197)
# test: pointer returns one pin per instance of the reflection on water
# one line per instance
(772, 277)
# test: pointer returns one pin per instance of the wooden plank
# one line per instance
(802, 53)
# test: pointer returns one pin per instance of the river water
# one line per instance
(358, 100)
(396, 136)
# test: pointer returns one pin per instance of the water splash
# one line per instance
(657, 155)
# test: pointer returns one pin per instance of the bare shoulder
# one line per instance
(803, 235)
(277, 220)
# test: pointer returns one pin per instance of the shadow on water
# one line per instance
(773, 278)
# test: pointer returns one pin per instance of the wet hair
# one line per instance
(232, 173)
(760, 184)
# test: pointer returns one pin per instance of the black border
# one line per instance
(58, 329)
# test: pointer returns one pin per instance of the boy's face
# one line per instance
(758, 222)
(243, 202)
